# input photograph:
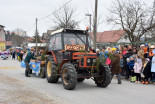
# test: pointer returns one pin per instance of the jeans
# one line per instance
(27, 68)
(118, 77)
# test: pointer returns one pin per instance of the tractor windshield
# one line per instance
(74, 39)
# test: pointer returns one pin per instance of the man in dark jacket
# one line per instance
(115, 65)
(125, 65)
(29, 56)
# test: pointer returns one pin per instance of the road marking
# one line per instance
(9, 67)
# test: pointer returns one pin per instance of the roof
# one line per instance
(2, 26)
(1, 40)
(109, 36)
(8, 43)
(34, 45)
(69, 30)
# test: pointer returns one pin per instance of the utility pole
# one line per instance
(36, 36)
(89, 27)
(95, 25)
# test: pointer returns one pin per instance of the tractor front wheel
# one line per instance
(69, 76)
(51, 71)
(105, 77)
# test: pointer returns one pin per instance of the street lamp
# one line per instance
(89, 15)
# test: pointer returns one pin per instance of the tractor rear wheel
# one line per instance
(51, 71)
(80, 79)
(105, 79)
(69, 76)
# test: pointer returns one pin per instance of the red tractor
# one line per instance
(70, 59)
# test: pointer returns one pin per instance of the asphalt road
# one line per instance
(85, 93)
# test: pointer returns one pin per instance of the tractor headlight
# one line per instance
(88, 60)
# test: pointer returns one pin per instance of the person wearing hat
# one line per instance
(141, 53)
(146, 51)
(151, 52)
(115, 65)
(29, 56)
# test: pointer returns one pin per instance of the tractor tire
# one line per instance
(80, 79)
(105, 79)
(42, 72)
(69, 76)
(51, 71)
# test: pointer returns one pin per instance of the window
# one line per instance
(74, 39)
(55, 42)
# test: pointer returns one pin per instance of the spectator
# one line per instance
(151, 52)
(98, 52)
(153, 63)
(134, 53)
(141, 53)
(147, 71)
(125, 66)
(21, 55)
(146, 51)
(115, 65)
(137, 69)
(13, 55)
(131, 65)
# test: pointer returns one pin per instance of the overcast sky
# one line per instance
(22, 13)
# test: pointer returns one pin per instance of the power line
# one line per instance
(55, 11)
(30, 27)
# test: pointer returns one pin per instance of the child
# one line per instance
(131, 65)
(137, 69)
(127, 69)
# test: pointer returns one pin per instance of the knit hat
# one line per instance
(142, 45)
(113, 49)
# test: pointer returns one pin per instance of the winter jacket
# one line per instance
(138, 67)
(127, 55)
(131, 64)
(115, 64)
(121, 62)
(141, 55)
(153, 64)
(29, 56)
(147, 70)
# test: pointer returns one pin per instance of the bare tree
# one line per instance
(132, 16)
(64, 18)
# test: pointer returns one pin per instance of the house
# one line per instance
(114, 36)
(2, 32)
(46, 36)
(2, 38)
(2, 44)
(8, 44)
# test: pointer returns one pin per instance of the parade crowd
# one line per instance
(131, 62)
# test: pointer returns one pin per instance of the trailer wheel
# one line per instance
(105, 78)
(69, 76)
(51, 71)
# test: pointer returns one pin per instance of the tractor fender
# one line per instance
(52, 53)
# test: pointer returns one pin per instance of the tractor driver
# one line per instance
(67, 41)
